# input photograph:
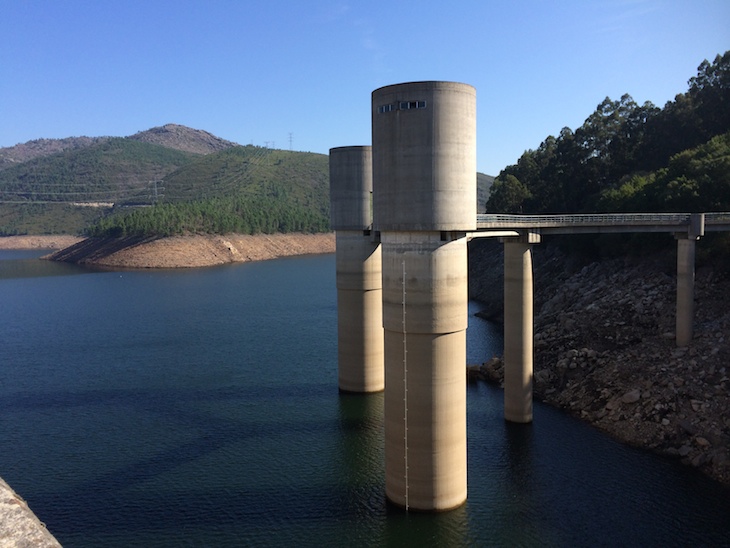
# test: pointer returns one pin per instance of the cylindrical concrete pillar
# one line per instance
(685, 290)
(358, 266)
(424, 194)
(425, 297)
(426, 423)
(518, 331)
(359, 313)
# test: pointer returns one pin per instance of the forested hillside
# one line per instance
(165, 180)
(630, 157)
(254, 171)
(115, 170)
(242, 189)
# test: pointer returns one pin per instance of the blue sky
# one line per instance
(302, 71)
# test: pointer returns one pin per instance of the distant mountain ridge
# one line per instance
(184, 139)
(68, 185)
(173, 136)
(38, 148)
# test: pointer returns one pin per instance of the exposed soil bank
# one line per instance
(605, 350)
(189, 251)
(38, 242)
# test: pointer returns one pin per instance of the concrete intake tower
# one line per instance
(424, 201)
(358, 271)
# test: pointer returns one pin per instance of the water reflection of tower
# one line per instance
(360, 452)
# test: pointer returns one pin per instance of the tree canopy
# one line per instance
(631, 157)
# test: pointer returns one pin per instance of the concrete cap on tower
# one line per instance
(351, 185)
(424, 156)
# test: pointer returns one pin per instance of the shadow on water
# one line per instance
(28, 264)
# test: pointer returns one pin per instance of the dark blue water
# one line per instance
(200, 408)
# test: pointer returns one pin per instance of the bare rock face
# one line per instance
(170, 136)
(18, 524)
(183, 138)
(605, 352)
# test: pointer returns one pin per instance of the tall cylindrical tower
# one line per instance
(358, 265)
(424, 195)
(424, 157)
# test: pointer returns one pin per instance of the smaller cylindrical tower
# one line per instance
(358, 266)
(351, 187)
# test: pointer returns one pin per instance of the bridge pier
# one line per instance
(685, 312)
(358, 271)
(424, 195)
(685, 291)
(518, 327)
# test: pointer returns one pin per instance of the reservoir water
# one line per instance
(200, 408)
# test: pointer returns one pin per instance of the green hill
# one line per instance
(118, 170)
(196, 182)
(302, 177)
(166, 180)
(242, 189)
(606, 161)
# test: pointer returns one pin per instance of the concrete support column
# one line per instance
(686, 278)
(359, 282)
(685, 290)
(518, 330)
(425, 296)
(359, 313)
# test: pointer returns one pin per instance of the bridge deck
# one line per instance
(605, 223)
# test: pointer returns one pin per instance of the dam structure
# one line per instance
(403, 210)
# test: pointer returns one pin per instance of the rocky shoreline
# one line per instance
(605, 351)
(19, 526)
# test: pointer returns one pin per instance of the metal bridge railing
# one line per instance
(717, 218)
(499, 220)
